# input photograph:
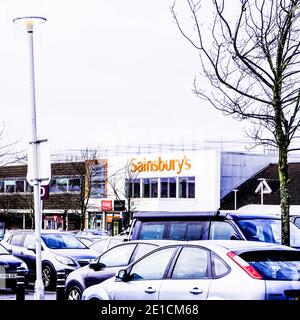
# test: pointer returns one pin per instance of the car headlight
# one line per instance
(65, 260)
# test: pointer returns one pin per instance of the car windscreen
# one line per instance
(62, 241)
(275, 264)
(3, 250)
(267, 230)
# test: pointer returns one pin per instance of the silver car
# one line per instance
(201, 270)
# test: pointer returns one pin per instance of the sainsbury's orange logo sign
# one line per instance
(160, 164)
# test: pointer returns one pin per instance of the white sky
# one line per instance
(107, 72)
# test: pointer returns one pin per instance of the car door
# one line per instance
(113, 260)
(145, 276)
(28, 256)
(190, 277)
(15, 243)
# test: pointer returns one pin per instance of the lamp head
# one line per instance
(29, 21)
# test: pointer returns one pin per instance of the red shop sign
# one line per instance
(106, 205)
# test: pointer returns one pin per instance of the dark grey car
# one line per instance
(60, 251)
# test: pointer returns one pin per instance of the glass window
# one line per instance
(275, 265)
(219, 267)
(164, 187)
(128, 188)
(222, 230)
(192, 263)
(194, 231)
(118, 256)
(187, 187)
(29, 188)
(114, 242)
(153, 266)
(172, 187)
(74, 185)
(177, 231)
(98, 189)
(20, 186)
(186, 231)
(133, 188)
(62, 241)
(9, 186)
(1, 186)
(297, 222)
(16, 240)
(29, 240)
(62, 185)
(99, 245)
(146, 188)
(99, 172)
(52, 186)
(153, 188)
(268, 230)
(150, 230)
(3, 250)
(168, 187)
(136, 188)
(142, 249)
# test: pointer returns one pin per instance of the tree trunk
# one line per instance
(284, 195)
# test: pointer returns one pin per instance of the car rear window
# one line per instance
(173, 230)
(275, 264)
(150, 230)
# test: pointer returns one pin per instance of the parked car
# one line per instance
(210, 226)
(2, 230)
(85, 240)
(93, 233)
(60, 251)
(202, 270)
(106, 266)
(104, 244)
(295, 219)
(8, 269)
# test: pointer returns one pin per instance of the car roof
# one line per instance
(43, 231)
(238, 246)
(155, 242)
(168, 215)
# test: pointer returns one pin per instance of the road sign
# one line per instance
(44, 192)
(44, 170)
(263, 187)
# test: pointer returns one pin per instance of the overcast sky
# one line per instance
(107, 72)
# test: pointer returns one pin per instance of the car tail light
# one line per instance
(244, 265)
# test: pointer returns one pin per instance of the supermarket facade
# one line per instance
(173, 181)
(169, 181)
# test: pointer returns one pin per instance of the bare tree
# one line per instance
(251, 61)
(84, 167)
(122, 184)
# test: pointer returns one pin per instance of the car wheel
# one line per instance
(48, 275)
(74, 293)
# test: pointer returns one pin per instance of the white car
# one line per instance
(201, 270)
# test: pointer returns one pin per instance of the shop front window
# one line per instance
(187, 187)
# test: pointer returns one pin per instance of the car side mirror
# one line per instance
(122, 275)
(96, 266)
(32, 248)
(9, 250)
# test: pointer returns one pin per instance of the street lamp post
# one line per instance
(30, 22)
(235, 199)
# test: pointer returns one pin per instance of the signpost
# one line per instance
(263, 188)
